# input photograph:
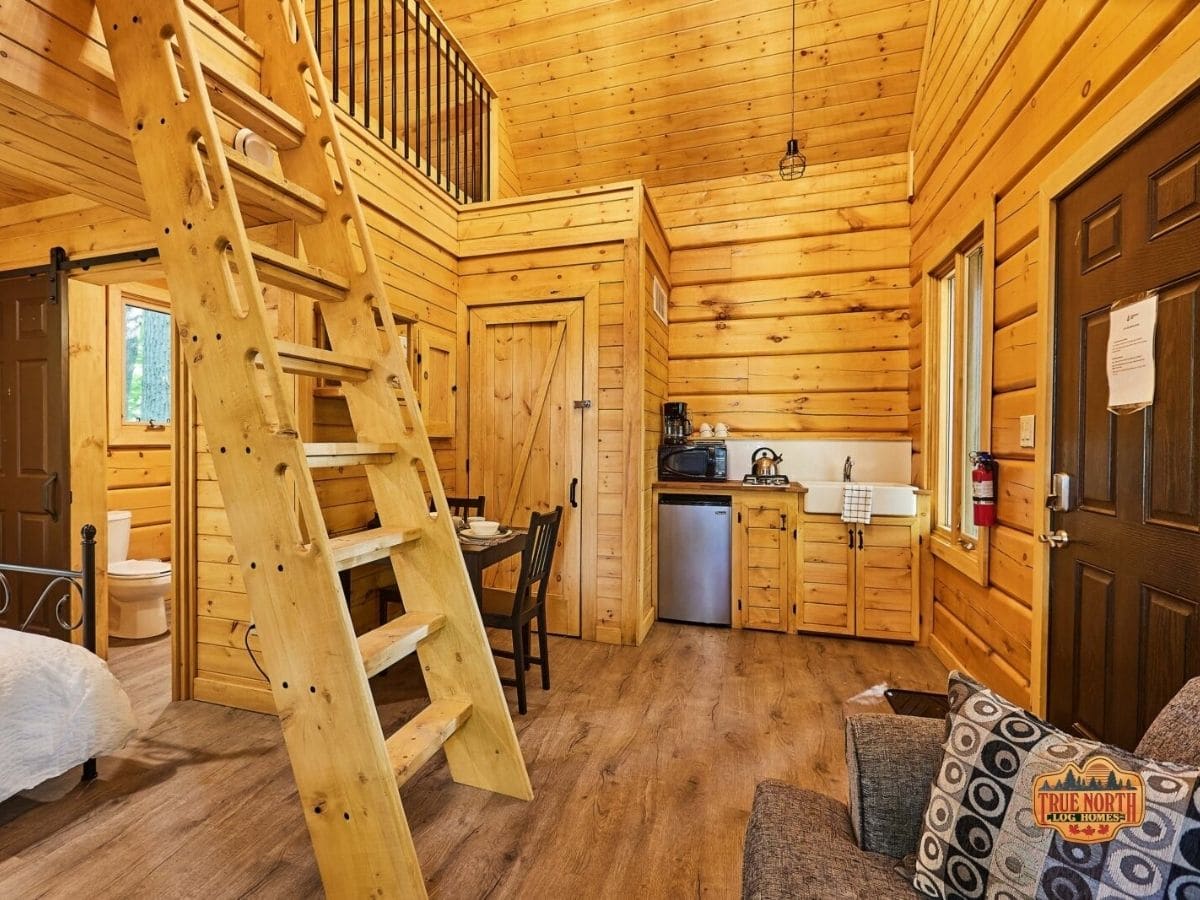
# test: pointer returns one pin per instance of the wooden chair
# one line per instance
(464, 506)
(459, 506)
(514, 610)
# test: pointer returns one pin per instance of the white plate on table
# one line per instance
(472, 535)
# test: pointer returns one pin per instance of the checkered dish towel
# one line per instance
(856, 503)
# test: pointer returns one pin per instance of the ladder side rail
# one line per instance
(431, 573)
(359, 833)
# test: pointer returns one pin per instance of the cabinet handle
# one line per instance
(850, 532)
(783, 521)
(574, 487)
(860, 539)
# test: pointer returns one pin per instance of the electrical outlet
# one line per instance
(1027, 431)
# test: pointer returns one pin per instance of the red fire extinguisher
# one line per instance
(983, 487)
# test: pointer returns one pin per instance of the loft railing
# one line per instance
(395, 70)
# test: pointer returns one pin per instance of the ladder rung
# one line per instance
(300, 359)
(261, 188)
(285, 271)
(327, 456)
(388, 644)
(248, 107)
(423, 735)
(362, 547)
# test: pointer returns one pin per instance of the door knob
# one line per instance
(1056, 539)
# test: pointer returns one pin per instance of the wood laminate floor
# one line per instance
(643, 761)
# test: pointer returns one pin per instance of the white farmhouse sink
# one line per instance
(887, 498)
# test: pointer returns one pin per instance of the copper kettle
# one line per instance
(765, 461)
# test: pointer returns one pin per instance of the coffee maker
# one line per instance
(677, 427)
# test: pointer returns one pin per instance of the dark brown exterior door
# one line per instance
(1125, 592)
(34, 445)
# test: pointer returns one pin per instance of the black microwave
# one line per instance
(693, 462)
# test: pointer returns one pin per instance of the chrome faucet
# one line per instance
(847, 468)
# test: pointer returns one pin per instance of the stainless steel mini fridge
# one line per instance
(694, 542)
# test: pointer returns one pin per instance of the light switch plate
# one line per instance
(1027, 431)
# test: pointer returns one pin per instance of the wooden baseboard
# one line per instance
(227, 693)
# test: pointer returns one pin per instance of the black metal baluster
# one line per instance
(486, 125)
(379, 49)
(417, 87)
(437, 109)
(394, 123)
(317, 28)
(457, 130)
(449, 166)
(351, 86)
(471, 135)
(367, 64)
(335, 41)
(428, 98)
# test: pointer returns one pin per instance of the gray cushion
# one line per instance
(1174, 736)
(890, 763)
(799, 846)
(1009, 813)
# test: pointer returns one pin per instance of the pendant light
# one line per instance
(793, 163)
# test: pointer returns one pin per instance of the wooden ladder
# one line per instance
(347, 773)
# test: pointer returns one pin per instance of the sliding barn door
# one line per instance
(526, 452)
(34, 455)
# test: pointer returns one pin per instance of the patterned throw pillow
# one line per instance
(981, 835)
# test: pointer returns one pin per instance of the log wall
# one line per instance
(789, 303)
(1007, 95)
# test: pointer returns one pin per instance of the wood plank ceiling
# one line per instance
(675, 91)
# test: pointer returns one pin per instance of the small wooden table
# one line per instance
(478, 556)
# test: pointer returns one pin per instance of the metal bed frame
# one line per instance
(83, 581)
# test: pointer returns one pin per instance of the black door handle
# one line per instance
(50, 496)
(850, 533)
(860, 539)
(574, 485)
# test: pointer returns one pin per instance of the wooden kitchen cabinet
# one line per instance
(859, 580)
(764, 544)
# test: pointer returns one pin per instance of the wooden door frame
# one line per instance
(1126, 123)
(92, 440)
(589, 294)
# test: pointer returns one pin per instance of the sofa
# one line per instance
(802, 844)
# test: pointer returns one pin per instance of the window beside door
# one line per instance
(958, 302)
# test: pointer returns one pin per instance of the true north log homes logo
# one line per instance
(1091, 804)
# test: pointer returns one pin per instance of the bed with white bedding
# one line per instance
(59, 707)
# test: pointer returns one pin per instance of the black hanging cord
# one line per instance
(250, 653)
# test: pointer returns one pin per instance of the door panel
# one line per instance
(1125, 592)
(34, 462)
(526, 437)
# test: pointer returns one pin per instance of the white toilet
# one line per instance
(137, 588)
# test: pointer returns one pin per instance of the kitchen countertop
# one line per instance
(724, 487)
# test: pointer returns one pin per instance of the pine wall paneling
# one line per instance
(789, 303)
(1011, 92)
(597, 91)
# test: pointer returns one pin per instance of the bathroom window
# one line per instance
(958, 302)
(140, 341)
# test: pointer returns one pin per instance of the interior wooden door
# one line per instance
(526, 437)
(34, 444)
(1125, 591)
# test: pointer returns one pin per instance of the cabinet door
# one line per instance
(886, 579)
(826, 596)
(436, 380)
(766, 597)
